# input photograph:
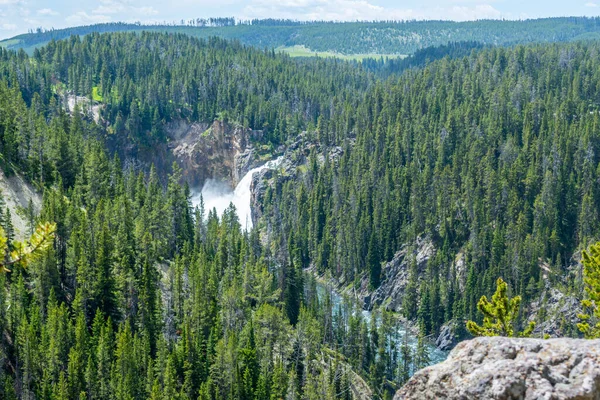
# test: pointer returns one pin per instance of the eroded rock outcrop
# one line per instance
(395, 274)
(16, 194)
(265, 179)
(555, 313)
(508, 368)
(295, 154)
(448, 338)
(217, 151)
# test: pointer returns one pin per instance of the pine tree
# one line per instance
(377, 370)
(424, 312)
(30, 212)
(293, 293)
(170, 391)
(422, 353)
(499, 315)
(279, 383)
(104, 357)
(297, 361)
(374, 263)
(21, 253)
(590, 318)
(104, 284)
(76, 366)
(405, 367)
(262, 388)
(249, 365)
(9, 230)
(411, 293)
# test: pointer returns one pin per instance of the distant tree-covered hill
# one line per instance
(383, 37)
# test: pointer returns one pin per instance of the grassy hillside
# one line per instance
(352, 38)
(302, 51)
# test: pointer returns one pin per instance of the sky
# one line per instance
(18, 16)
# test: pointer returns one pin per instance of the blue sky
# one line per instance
(18, 16)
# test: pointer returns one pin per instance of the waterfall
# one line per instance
(218, 194)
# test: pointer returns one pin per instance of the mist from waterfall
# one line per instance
(219, 194)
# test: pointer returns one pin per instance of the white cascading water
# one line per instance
(218, 194)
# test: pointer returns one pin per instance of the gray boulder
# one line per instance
(508, 368)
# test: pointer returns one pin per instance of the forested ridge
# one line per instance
(492, 156)
(148, 80)
(361, 37)
(385, 67)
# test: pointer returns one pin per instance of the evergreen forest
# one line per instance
(489, 153)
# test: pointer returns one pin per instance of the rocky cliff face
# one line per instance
(555, 313)
(448, 337)
(395, 274)
(268, 178)
(16, 194)
(295, 155)
(217, 151)
(508, 368)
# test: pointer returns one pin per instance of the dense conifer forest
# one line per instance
(489, 152)
(142, 295)
(493, 156)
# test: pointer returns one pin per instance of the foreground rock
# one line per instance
(505, 368)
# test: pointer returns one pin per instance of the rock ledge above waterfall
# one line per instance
(220, 150)
(508, 368)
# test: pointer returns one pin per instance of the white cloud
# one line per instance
(122, 7)
(8, 27)
(146, 11)
(464, 13)
(591, 4)
(83, 18)
(9, 2)
(351, 10)
(110, 7)
(314, 9)
(32, 22)
(471, 1)
(47, 11)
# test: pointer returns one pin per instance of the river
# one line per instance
(435, 355)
